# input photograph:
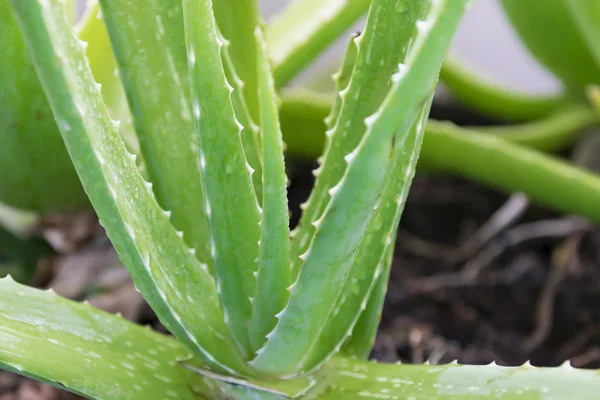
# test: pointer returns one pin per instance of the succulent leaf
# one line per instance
(586, 14)
(250, 132)
(41, 174)
(273, 275)
(153, 66)
(478, 92)
(303, 113)
(342, 80)
(359, 380)
(360, 344)
(354, 197)
(237, 20)
(372, 253)
(380, 48)
(304, 29)
(561, 49)
(230, 200)
(88, 351)
(161, 265)
(512, 167)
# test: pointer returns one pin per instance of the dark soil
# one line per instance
(478, 276)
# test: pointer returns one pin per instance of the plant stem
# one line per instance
(550, 134)
(302, 113)
(513, 168)
(491, 99)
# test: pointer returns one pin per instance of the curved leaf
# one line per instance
(37, 172)
(304, 29)
(273, 275)
(586, 14)
(487, 97)
(359, 380)
(344, 220)
(162, 266)
(504, 165)
(380, 48)
(230, 201)
(302, 120)
(153, 66)
(88, 351)
(552, 36)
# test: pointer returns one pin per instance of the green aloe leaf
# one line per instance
(231, 204)
(91, 29)
(88, 351)
(552, 36)
(484, 95)
(586, 14)
(305, 28)
(370, 259)
(162, 266)
(359, 380)
(342, 79)
(273, 276)
(153, 66)
(41, 175)
(303, 113)
(354, 197)
(360, 344)
(236, 20)
(250, 130)
(380, 48)
(512, 167)
(482, 153)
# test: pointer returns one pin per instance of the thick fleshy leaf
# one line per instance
(359, 380)
(342, 80)
(561, 49)
(305, 28)
(303, 113)
(180, 290)
(273, 275)
(482, 94)
(250, 130)
(484, 153)
(514, 168)
(36, 169)
(230, 201)
(237, 20)
(153, 66)
(369, 263)
(360, 344)
(345, 218)
(87, 351)
(91, 29)
(380, 48)
(586, 14)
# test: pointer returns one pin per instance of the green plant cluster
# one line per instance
(192, 189)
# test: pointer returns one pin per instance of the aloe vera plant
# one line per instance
(256, 312)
